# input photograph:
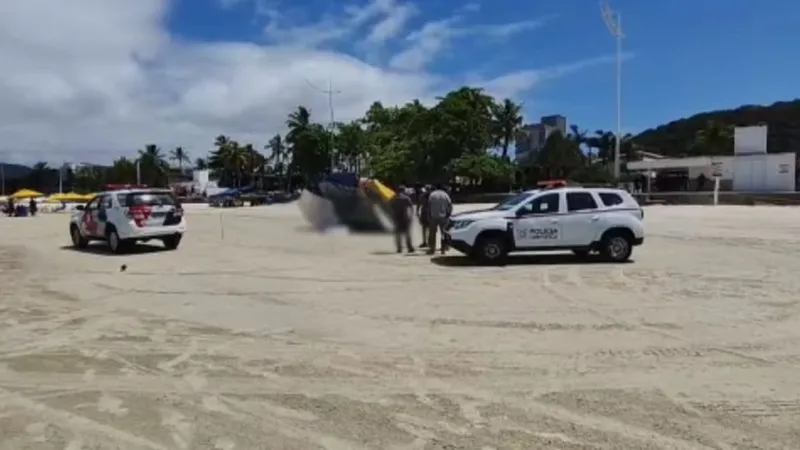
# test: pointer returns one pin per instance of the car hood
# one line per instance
(482, 214)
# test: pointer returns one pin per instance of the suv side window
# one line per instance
(107, 202)
(545, 204)
(93, 203)
(611, 199)
(580, 201)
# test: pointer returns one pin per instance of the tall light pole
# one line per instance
(613, 21)
(330, 92)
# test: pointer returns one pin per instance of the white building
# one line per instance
(750, 169)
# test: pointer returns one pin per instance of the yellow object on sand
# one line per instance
(381, 188)
(26, 193)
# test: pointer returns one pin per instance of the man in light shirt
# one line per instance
(440, 207)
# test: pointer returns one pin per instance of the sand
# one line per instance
(269, 337)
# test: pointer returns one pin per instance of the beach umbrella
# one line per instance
(69, 197)
(26, 193)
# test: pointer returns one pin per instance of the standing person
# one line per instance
(424, 214)
(402, 211)
(32, 207)
(441, 207)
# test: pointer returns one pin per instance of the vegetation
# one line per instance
(466, 136)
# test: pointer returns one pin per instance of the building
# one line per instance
(531, 138)
(749, 169)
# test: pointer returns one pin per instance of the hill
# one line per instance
(675, 138)
(14, 171)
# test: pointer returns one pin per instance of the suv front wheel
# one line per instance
(491, 250)
(616, 247)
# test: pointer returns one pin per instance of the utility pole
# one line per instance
(330, 92)
(613, 21)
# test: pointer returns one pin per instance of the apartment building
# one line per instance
(532, 137)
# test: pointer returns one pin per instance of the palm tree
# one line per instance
(200, 164)
(714, 139)
(153, 165)
(580, 138)
(180, 156)
(277, 152)
(508, 120)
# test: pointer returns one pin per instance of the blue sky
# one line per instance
(687, 56)
(90, 80)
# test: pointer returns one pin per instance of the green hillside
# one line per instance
(676, 138)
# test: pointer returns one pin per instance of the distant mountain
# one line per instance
(676, 138)
(15, 171)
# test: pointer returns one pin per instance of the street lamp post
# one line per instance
(613, 21)
(330, 92)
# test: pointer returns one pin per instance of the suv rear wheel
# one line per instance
(491, 250)
(115, 244)
(78, 241)
(172, 242)
(616, 247)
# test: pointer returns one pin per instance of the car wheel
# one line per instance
(172, 242)
(115, 244)
(492, 251)
(581, 254)
(616, 247)
(78, 241)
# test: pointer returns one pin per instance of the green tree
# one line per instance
(507, 120)
(153, 166)
(713, 139)
(180, 157)
(560, 157)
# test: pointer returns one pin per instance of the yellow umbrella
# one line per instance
(26, 193)
(68, 197)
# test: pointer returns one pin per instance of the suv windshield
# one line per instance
(512, 201)
(156, 198)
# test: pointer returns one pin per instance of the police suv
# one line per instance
(581, 219)
(121, 217)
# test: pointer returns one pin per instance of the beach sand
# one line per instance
(257, 334)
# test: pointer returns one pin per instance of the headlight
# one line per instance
(461, 223)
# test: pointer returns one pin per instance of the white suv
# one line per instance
(584, 220)
(124, 217)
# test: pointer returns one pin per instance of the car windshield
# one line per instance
(512, 202)
(148, 199)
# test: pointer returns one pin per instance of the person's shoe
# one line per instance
(431, 252)
(423, 245)
(411, 250)
(399, 250)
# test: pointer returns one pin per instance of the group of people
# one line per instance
(12, 209)
(433, 208)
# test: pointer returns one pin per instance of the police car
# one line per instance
(124, 215)
(584, 220)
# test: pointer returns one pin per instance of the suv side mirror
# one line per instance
(80, 207)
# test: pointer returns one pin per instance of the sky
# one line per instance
(92, 80)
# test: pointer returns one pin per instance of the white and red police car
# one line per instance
(124, 215)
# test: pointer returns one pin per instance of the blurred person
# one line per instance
(441, 208)
(424, 214)
(402, 212)
(33, 207)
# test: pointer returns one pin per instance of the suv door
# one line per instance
(538, 223)
(90, 225)
(582, 220)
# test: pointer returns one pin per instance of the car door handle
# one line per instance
(553, 220)
(594, 218)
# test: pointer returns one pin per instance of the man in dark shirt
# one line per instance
(424, 214)
(402, 211)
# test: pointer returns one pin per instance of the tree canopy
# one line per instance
(467, 137)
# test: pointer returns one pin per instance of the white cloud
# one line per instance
(434, 37)
(91, 80)
(513, 84)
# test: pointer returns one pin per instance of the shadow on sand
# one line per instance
(524, 260)
(101, 249)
